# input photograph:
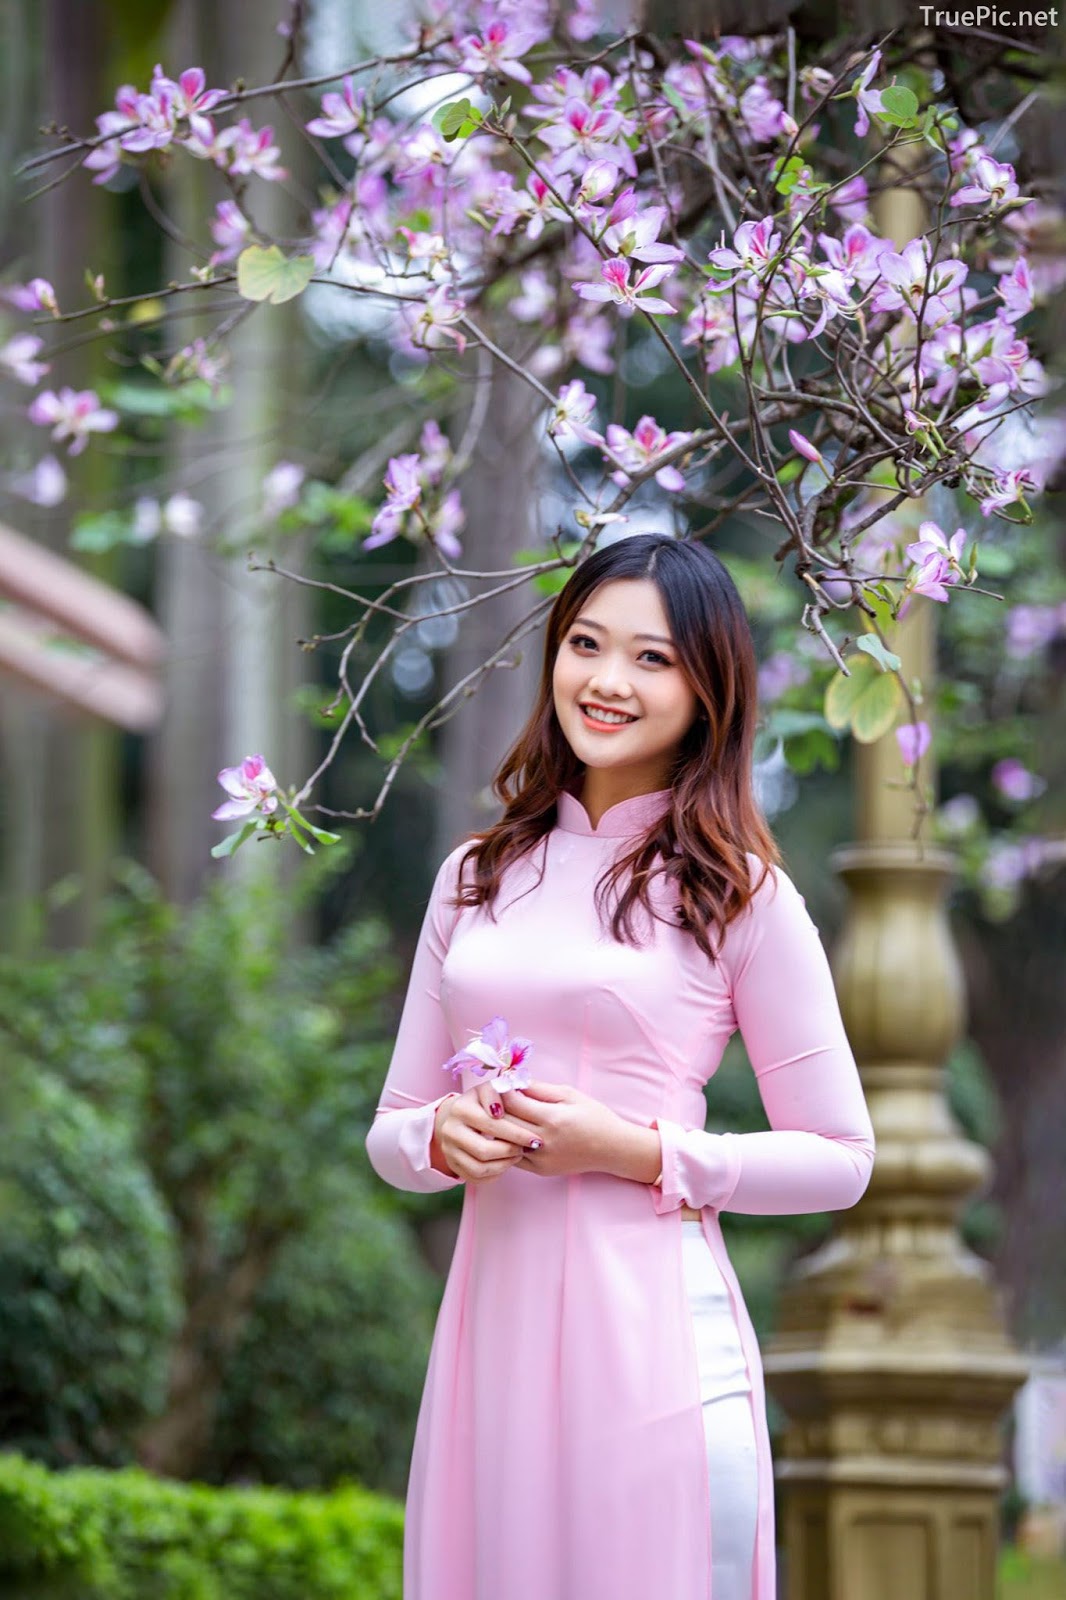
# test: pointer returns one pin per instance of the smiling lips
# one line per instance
(601, 718)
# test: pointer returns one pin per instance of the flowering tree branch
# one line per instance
(705, 202)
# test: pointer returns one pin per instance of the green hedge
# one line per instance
(88, 1278)
(92, 1534)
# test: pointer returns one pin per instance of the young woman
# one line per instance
(593, 1422)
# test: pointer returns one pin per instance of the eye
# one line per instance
(583, 638)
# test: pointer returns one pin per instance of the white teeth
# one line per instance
(607, 716)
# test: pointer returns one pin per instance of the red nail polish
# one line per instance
(535, 1145)
(495, 1110)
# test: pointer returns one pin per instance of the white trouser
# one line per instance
(725, 1391)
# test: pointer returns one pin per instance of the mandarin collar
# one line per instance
(622, 820)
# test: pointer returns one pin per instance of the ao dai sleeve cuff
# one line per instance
(699, 1169)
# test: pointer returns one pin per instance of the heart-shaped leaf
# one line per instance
(867, 702)
(899, 105)
(871, 644)
(266, 274)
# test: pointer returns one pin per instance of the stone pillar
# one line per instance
(891, 1358)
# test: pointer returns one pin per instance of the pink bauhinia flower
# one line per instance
(991, 183)
(867, 99)
(342, 114)
(72, 414)
(763, 113)
(584, 134)
(629, 296)
(711, 325)
(231, 231)
(914, 739)
(37, 295)
(1008, 489)
(19, 354)
(805, 448)
(498, 51)
(631, 234)
(436, 319)
(754, 246)
(187, 96)
(403, 488)
(1015, 782)
(635, 452)
(858, 256)
(574, 410)
(903, 283)
(492, 1055)
(584, 20)
(435, 450)
(44, 485)
(938, 563)
(850, 200)
(281, 488)
(251, 786)
(445, 523)
(245, 150)
(1015, 289)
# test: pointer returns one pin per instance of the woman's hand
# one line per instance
(478, 1138)
(577, 1132)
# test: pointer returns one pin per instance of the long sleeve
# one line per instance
(399, 1138)
(819, 1154)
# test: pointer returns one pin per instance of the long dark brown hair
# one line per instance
(713, 820)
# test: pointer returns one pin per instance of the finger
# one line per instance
(506, 1124)
(493, 1146)
(542, 1089)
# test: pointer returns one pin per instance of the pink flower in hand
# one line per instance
(913, 739)
(491, 1049)
(252, 787)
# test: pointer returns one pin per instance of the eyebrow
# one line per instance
(588, 623)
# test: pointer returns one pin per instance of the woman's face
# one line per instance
(618, 655)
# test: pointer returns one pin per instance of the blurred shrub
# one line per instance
(327, 1377)
(88, 1302)
(244, 1070)
(96, 1535)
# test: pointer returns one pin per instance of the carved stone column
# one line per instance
(892, 1360)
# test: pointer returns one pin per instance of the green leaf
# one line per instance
(886, 660)
(457, 120)
(99, 533)
(320, 834)
(789, 175)
(233, 841)
(997, 561)
(269, 275)
(899, 106)
(785, 723)
(817, 748)
(866, 703)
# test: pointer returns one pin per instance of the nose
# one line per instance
(610, 680)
